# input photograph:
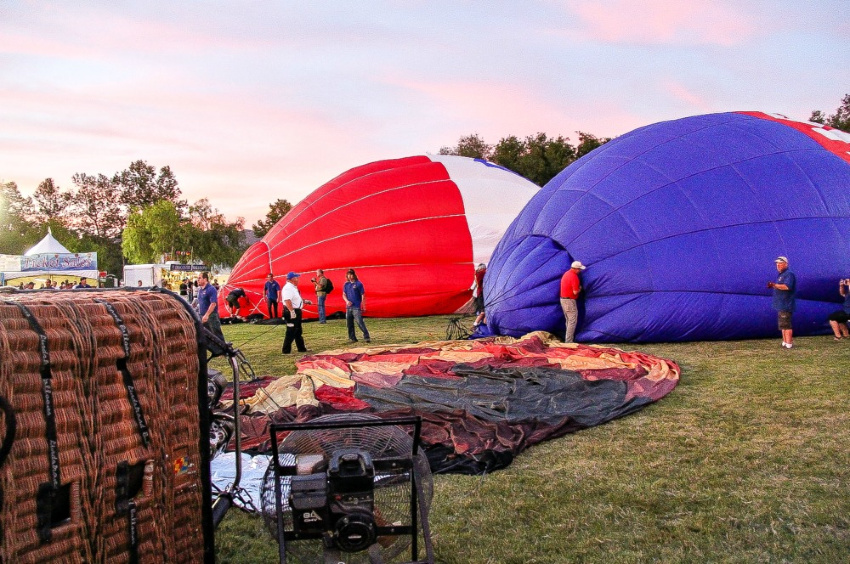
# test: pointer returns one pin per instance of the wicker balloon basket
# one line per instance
(104, 430)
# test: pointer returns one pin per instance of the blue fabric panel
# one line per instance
(724, 196)
(783, 189)
(528, 299)
(640, 179)
(556, 209)
(829, 177)
(731, 144)
(680, 214)
(608, 237)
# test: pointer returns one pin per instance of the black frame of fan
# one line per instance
(380, 464)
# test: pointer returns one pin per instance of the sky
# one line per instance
(250, 101)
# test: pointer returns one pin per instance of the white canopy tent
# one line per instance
(48, 245)
(62, 263)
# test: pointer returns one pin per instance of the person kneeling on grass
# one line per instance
(838, 320)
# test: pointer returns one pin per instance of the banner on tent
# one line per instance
(60, 261)
(10, 263)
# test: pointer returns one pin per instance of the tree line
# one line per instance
(537, 157)
(839, 120)
(540, 157)
(136, 214)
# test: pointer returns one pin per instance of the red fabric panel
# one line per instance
(341, 399)
(433, 368)
(400, 223)
(840, 148)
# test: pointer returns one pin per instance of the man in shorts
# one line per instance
(784, 299)
(838, 320)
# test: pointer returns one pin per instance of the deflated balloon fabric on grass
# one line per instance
(482, 402)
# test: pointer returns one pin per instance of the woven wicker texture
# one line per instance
(124, 369)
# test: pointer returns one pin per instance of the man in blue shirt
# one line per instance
(208, 305)
(272, 292)
(784, 302)
(355, 304)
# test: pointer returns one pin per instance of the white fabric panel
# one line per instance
(492, 197)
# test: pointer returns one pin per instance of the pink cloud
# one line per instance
(498, 109)
(683, 94)
(662, 21)
(100, 35)
(240, 150)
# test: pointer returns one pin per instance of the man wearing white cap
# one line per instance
(784, 302)
(292, 303)
(570, 289)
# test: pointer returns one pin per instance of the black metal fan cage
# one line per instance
(406, 465)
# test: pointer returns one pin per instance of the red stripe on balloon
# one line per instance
(814, 131)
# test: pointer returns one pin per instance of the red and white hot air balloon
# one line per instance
(413, 229)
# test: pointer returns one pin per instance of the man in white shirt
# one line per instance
(292, 303)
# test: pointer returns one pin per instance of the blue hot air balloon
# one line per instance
(679, 223)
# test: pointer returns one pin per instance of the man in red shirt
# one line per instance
(570, 289)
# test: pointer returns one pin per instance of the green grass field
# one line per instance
(747, 460)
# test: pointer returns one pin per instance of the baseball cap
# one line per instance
(577, 264)
(781, 259)
(292, 275)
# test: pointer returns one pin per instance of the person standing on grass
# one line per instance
(838, 320)
(272, 292)
(570, 289)
(292, 303)
(355, 304)
(321, 287)
(478, 294)
(784, 299)
(208, 305)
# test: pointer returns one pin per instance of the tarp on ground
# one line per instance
(482, 402)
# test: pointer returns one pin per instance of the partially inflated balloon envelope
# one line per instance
(679, 224)
(412, 228)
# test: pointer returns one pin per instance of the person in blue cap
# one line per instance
(292, 303)
(784, 299)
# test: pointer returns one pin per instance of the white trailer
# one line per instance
(144, 275)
